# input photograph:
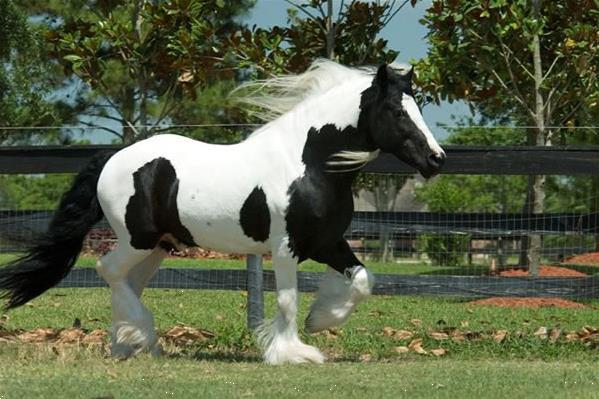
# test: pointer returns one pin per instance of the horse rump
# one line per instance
(52, 255)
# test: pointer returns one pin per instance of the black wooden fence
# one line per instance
(460, 160)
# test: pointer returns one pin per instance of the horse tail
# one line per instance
(52, 255)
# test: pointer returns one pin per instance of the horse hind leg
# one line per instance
(141, 274)
(132, 324)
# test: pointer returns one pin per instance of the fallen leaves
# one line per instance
(439, 352)
(178, 335)
(587, 335)
(499, 336)
(416, 346)
(55, 336)
(397, 334)
(185, 335)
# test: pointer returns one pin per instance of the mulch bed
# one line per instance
(591, 258)
(511, 302)
(544, 271)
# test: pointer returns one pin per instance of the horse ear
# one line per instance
(382, 77)
(410, 74)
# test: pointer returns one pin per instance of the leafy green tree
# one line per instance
(24, 86)
(351, 38)
(532, 62)
(138, 59)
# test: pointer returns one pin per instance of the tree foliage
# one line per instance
(139, 58)
(482, 52)
(24, 86)
(291, 49)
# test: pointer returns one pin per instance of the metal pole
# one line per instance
(255, 292)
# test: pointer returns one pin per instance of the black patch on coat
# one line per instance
(321, 204)
(152, 211)
(254, 216)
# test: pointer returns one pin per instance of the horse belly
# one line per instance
(223, 235)
(213, 217)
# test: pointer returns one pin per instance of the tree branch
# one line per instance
(102, 128)
(309, 14)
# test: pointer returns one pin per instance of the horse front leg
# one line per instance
(346, 283)
(278, 338)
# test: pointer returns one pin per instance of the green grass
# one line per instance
(228, 366)
(48, 375)
(224, 313)
(402, 266)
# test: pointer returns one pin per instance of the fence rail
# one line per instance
(525, 160)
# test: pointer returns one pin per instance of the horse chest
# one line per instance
(319, 211)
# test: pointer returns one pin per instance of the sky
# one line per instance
(404, 34)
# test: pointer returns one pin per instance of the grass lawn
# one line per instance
(80, 375)
(363, 358)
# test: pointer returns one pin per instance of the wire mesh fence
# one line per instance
(474, 250)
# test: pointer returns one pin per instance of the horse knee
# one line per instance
(362, 280)
(287, 301)
(108, 271)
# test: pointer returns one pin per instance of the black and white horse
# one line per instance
(284, 190)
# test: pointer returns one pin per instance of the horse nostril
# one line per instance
(436, 160)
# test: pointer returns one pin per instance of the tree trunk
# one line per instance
(536, 184)
(330, 31)
(385, 194)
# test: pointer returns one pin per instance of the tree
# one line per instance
(352, 38)
(23, 79)
(138, 58)
(535, 64)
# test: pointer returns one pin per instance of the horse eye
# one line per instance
(399, 112)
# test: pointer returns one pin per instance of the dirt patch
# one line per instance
(511, 302)
(591, 258)
(544, 271)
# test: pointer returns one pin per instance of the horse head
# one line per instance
(392, 119)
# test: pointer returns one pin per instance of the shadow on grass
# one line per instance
(226, 357)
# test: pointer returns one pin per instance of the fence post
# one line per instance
(255, 307)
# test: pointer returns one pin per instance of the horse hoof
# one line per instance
(296, 354)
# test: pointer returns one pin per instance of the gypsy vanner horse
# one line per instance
(286, 189)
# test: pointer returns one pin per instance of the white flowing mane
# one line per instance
(275, 96)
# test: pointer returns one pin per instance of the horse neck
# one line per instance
(321, 125)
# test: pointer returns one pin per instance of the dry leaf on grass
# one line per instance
(401, 349)
(38, 335)
(95, 337)
(439, 336)
(187, 335)
(555, 334)
(397, 334)
(416, 346)
(365, 357)
(499, 336)
(541, 333)
(439, 352)
(70, 336)
(572, 336)
(416, 322)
